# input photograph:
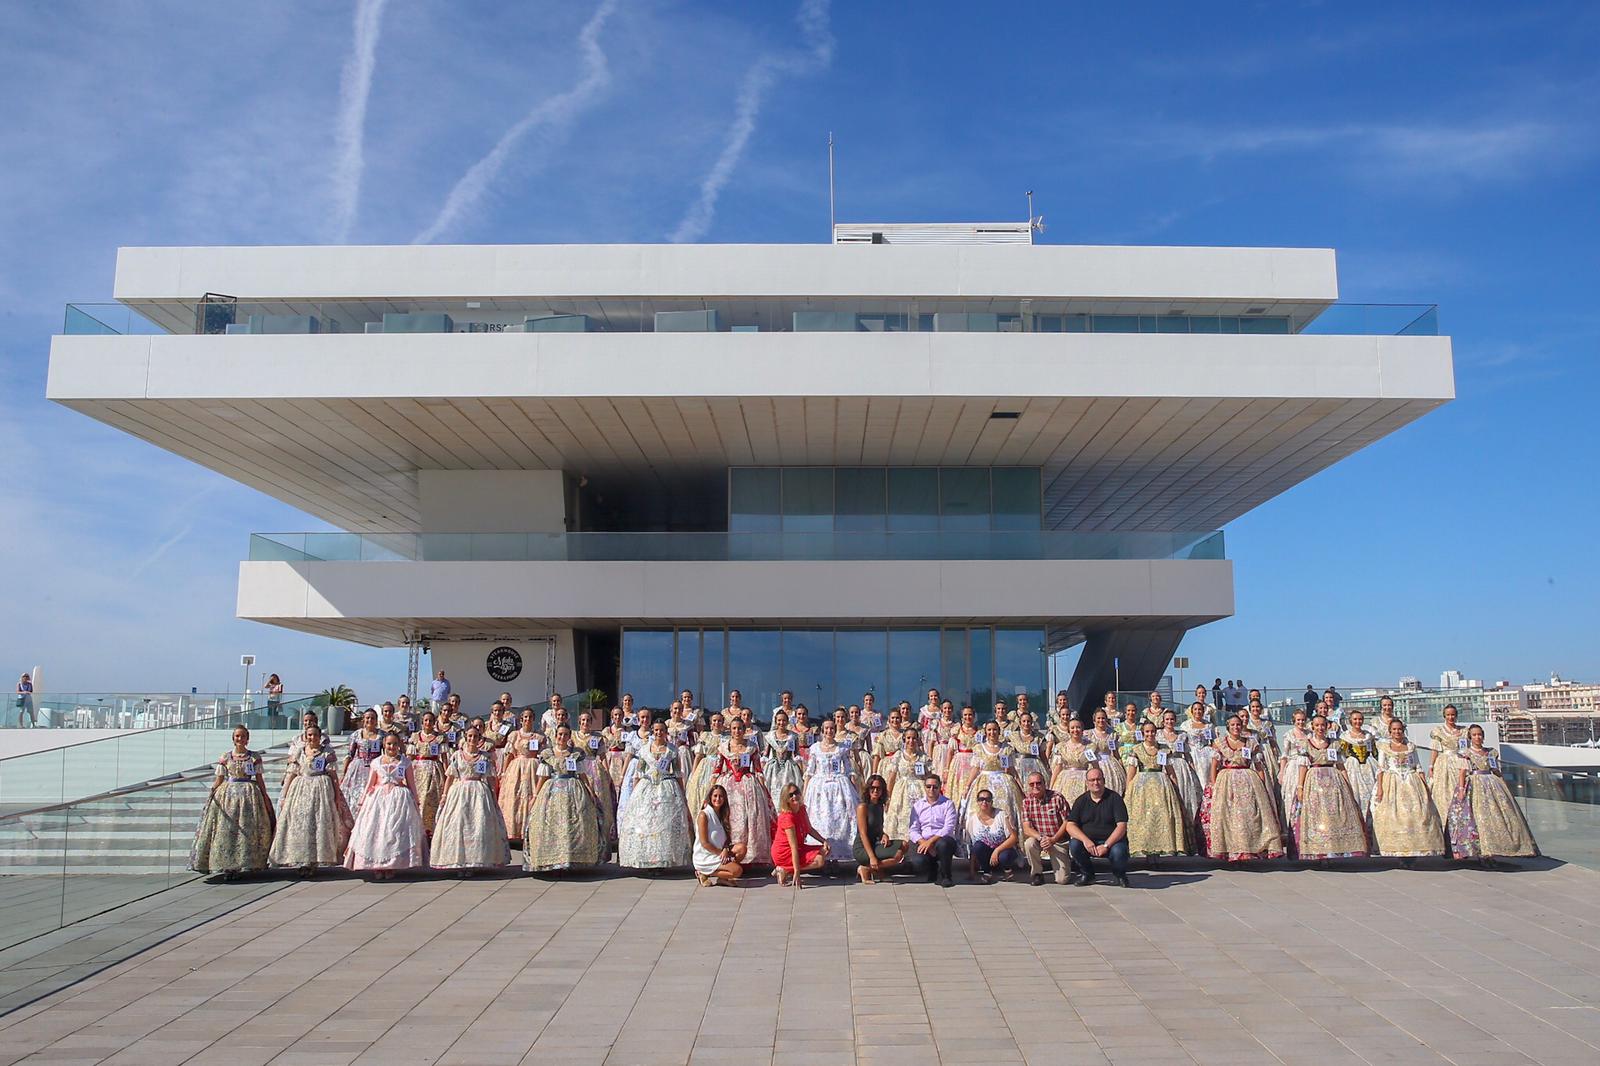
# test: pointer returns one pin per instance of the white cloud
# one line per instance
(766, 72)
(554, 115)
(355, 88)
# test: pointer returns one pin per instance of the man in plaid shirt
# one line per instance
(1044, 829)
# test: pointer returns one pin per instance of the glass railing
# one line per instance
(90, 826)
(717, 547)
(798, 315)
(99, 319)
(69, 771)
(1562, 808)
(142, 710)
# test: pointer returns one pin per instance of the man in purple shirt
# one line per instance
(933, 832)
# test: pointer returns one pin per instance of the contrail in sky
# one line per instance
(556, 112)
(758, 80)
(355, 85)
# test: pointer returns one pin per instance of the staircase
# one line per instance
(140, 831)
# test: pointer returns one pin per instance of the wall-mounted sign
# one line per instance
(505, 664)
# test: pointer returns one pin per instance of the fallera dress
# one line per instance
(429, 756)
(962, 763)
(593, 746)
(680, 734)
(519, 779)
(1201, 737)
(886, 745)
(750, 808)
(1239, 814)
(782, 766)
(1486, 822)
(470, 833)
(1070, 764)
(1190, 791)
(1111, 766)
(1404, 822)
(362, 751)
(1027, 755)
(992, 768)
(653, 831)
(1449, 749)
(235, 831)
(698, 781)
(1360, 752)
(1155, 813)
(388, 831)
(831, 798)
(905, 773)
(314, 820)
(616, 755)
(1328, 822)
(564, 830)
(1292, 759)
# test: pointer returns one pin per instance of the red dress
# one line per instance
(800, 822)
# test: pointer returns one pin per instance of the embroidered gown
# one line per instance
(1292, 759)
(992, 771)
(886, 745)
(470, 832)
(593, 765)
(1201, 737)
(564, 829)
(1111, 766)
(235, 830)
(782, 766)
(1360, 768)
(750, 808)
(429, 756)
(962, 763)
(1239, 815)
(1027, 756)
(363, 750)
(1328, 822)
(905, 788)
(1155, 814)
(1445, 770)
(616, 743)
(519, 773)
(1070, 765)
(653, 831)
(388, 831)
(1404, 821)
(1190, 791)
(1487, 822)
(1266, 735)
(831, 798)
(698, 780)
(314, 819)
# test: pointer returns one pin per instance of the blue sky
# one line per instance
(1451, 152)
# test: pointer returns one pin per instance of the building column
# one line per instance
(1143, 656)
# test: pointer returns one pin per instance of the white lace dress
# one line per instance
(831, 798)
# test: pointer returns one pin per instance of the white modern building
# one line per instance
(918, 457)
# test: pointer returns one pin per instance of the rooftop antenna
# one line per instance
(1035, 222)
(832, 218)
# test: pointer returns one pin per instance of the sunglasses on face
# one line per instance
(985, 799)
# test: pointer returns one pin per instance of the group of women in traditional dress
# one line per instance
(719, 795)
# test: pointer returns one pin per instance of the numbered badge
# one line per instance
(374, 746)
(433, 749)
(664, 764)
(319, 765)
(594, 743)
(744, 761)
(1033, 749)
(572, 765)
(480, 766)
(921, 768)
(250, 768)
(505, 730)
(450, 735)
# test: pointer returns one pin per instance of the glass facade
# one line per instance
(822, 499)
(827, 667)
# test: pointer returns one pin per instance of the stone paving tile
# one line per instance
(1235, 967)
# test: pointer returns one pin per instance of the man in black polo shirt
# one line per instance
(1098, 826)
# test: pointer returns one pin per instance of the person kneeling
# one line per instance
(875, 854)
(1098, 826)
(933, 833)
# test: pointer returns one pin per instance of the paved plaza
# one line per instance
(1365, 964)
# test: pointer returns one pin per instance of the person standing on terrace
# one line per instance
(439, 690)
